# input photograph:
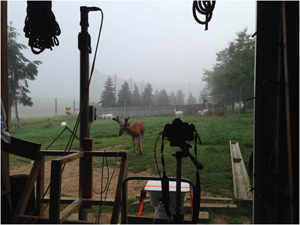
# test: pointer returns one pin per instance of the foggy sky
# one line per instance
(151, 41)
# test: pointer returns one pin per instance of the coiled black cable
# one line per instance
(40, 26)
(205, 8)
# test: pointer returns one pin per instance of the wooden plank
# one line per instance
(56, 152)
(107, 153)
(213, 205)
(241, 182)
(68, 211)
(206, 198)
(203, 217)
(18, 146)
(71, 157)
(86, 202)
(118, 197)
(27, 190)
(40, 186)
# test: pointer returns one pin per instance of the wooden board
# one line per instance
(241, 182)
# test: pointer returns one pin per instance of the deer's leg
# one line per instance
(133, 141)
(140, 144)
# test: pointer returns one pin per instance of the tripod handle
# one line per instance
(198, 165)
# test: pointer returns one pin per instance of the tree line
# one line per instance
(233, 74)
(125, 97)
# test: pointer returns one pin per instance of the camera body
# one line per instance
(178, 132)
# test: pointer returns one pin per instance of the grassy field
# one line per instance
(214, 153)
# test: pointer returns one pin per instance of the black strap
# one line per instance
(165, 183)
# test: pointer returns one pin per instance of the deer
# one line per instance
(50, 123)
(136, 130)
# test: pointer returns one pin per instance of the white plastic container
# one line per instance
(153, 187)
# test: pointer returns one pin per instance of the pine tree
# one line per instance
(124, 96)
(136, 97)
(191, 100)
(108, 96)
(147, 96)
(172, 98)
(163, 99)
(180, 98)
(155, 98)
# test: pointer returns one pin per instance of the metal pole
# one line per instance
(73, 107)
(84, 41)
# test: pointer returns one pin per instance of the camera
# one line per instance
(178, 132)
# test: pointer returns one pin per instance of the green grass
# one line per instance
(214, 153)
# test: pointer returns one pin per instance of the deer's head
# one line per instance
(123, 126)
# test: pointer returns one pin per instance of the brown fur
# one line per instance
(136, 130)
(50, 123)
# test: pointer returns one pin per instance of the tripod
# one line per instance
(178, 217)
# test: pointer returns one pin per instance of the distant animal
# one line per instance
(178, 113)
(106, 116)
(136, 130)
(204, 112)
(109, 116)
(199, 113)
(50, 123)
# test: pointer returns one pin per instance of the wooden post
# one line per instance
(4, 89)
(40, 186)
(287, 108)
(118, 196)
(73, 107)
(55, 108)
(86, 174)
(55, 190)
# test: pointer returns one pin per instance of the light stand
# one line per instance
(66, 128)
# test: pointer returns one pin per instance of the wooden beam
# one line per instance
(40, 186)
(86, 202)
(27, 190)
(18, 145)
(55, 191)
(118, 197)
(71, 157)
(73, 207)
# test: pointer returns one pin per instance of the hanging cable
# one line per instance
(205, 8)
(40, 26)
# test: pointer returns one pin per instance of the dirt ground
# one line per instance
(70, 187)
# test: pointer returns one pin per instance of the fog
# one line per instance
(156, 42)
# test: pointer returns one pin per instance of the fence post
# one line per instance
(55, 108)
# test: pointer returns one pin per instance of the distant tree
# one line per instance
(172, 98)
(136, 97)
(204, 91)
(20, 70)
(124, 95)
(155, 98)
(108, 96)
(163, 99)
(234, 69)
(180, 98)
(147, 96)
(191, 100)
